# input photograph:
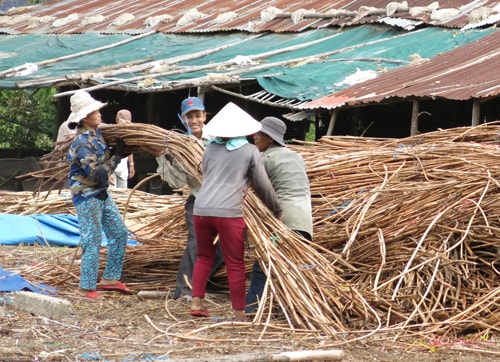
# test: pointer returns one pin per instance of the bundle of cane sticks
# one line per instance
(418, 219)
(137, 137)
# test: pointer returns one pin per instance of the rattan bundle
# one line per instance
(137, 137)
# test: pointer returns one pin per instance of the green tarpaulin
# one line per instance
(288, 65)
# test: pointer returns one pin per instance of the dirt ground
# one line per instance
(130, 328)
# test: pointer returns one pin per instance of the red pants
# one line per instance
(231, 237)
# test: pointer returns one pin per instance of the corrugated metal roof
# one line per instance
(189, 16)
(470, 71)
(318, 71)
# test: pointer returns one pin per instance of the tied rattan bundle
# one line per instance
(137, 137)
(302, 279)
(146, 137)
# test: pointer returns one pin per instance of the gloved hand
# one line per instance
(169, 157)
(119, 149)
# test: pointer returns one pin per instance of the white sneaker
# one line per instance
(186, 298)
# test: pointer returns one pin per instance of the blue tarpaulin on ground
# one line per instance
(43, 229)
(12, 282)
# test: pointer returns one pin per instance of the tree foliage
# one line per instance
(27, 120)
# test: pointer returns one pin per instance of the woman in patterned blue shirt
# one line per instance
(91, 164)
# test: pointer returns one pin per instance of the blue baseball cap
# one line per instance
(191, 104)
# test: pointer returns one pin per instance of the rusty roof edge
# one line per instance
(442, 76)
(263, 97)
(73, 17)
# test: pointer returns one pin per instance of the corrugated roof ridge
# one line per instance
(184, 16)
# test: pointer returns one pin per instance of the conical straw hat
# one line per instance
(231, 122)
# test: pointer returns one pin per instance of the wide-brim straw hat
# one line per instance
(274, 128)
(230, 122)
(82, 104)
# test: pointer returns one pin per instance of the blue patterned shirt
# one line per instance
(91, 164)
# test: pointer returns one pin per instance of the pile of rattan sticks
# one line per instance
(406, 231)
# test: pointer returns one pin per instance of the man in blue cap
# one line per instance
(193, 117)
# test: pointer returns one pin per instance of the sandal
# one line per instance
(200, 313)
(117, 287)
(90, 294)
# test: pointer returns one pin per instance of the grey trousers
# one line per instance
(189, 256)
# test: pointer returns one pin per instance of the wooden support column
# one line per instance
(333, 118)
(476, 112)
(414, 118)
(201, 92)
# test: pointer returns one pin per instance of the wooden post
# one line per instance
(414, 117)
(476, 112)
(333, 118)
(202, 90)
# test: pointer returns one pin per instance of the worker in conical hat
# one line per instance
(230, 166)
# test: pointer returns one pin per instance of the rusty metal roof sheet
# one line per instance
(470, 71)
(188, 16)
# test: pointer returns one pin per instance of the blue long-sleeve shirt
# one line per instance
(91, 164)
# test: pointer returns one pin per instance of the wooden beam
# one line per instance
(331, 124)
(414, 117)
(308, 355)
(476, 112)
